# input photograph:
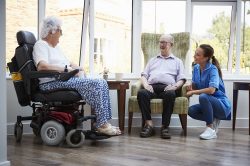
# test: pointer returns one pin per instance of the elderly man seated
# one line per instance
(162, 76)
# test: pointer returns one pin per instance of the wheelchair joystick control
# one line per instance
(66, 68)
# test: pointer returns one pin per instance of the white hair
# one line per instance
(49, 25)
(168, 38)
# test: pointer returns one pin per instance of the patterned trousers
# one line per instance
(94, 91)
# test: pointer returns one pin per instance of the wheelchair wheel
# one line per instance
(52, 133)
(75, 138)
(18, 131)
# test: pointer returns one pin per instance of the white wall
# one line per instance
(242, 112)
(3, 135)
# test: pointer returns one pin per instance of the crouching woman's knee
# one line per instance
(191, 111)
(203, 97)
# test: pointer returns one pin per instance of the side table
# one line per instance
(236, 87)
(121, 87)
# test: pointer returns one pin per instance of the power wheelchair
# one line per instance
(58, 115)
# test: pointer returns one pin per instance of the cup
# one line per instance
(118, 76)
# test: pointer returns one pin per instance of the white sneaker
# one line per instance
(216, 124)
(209, 133)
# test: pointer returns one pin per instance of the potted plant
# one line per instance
(105, 73)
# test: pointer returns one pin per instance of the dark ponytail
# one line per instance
(209, 52)
(216, 63)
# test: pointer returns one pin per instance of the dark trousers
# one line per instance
(144, 97)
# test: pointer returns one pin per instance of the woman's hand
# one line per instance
(189, 90)
(189, 87)
(190, 93)
(81, 74)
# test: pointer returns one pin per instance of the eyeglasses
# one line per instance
(163, 42)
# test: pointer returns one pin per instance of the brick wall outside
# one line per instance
(22, 15)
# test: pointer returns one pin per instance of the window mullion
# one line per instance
(136, 36)
(232, 38)
(238, 30)
(41, 13)
(84, 32)
(91, 36)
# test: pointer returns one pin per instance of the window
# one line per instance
(99, 45)
(71, 14)
(212, 24)
(20, 15)
(161, 17)
(245, 49)
(112, 33)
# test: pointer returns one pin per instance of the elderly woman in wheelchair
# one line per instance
(47, 56)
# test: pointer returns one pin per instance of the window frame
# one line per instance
(136, 31)
(232, 28)
(88, 22)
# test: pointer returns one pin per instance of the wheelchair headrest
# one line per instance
(25, 37)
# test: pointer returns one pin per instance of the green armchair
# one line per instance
(180, 49)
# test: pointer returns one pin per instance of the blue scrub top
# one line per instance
(209, 77)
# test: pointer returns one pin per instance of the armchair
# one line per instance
(180, 49)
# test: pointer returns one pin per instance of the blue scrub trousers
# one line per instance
(208, 109)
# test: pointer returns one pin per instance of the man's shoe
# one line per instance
(209, 133)
(216, 124)
(165, 133)
(147, 131)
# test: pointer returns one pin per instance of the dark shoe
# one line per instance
(147, 131)
(165, 133)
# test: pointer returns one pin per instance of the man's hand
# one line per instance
(146, 85)
(81, 74)
(170, 87)
(149, 88)
(189, 87)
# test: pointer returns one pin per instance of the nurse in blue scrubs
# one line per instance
(208, 84)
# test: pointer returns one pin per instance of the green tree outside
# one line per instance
(219, 34)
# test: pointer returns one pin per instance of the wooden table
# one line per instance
(121, 87)
(236, 87)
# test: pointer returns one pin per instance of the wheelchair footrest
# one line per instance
(94, 135)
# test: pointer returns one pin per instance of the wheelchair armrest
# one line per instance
(51, 73)
(67, 75)
(42, 74)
